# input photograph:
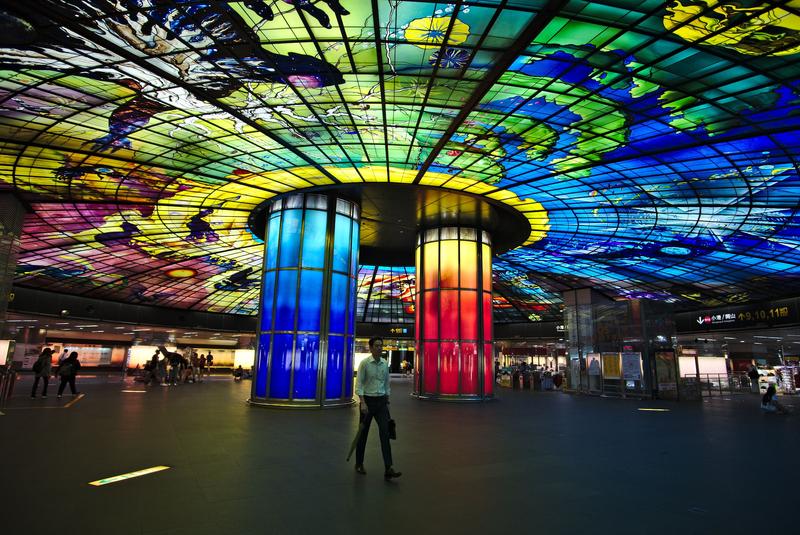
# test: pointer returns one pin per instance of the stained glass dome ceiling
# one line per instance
(652, 146)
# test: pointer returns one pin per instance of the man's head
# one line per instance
(376, 346)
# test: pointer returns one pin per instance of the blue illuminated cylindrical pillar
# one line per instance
(304, 356)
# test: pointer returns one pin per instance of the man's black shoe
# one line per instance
(390, 474)
(360, 469)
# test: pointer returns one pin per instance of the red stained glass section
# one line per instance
(430, 374)
(417, 313)
(449, 314)
(416, 366)
(468, 315)
(487, 316)
(448, 371)
(431, 319)
(488, 369)
(469, 368)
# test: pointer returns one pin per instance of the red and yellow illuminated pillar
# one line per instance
(454, 358)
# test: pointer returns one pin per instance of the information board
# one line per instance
(611, 369)
(666, 374)
(782, 312)
(632, 366)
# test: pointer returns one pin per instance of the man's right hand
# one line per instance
(362, 406)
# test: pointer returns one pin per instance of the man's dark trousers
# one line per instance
(378, 408)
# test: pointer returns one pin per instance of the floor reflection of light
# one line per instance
(129, 475)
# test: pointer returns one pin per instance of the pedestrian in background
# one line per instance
(753, 375)
(152, 368)
(162, 371)
(209, 363)
(175, 361)
(68, 371)
(194, 362)
(42, 368)
(202, 361)
(770, 403)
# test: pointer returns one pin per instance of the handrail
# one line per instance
(711, 384)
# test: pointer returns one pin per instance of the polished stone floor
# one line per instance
(530, 462)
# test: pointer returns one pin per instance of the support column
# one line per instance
(454, 357)
(306, 328)
(12, 215)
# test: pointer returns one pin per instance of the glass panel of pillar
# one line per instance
(454, 358)
(304, 355)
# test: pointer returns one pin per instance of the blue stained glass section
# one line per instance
(333, 378)
(348, 366)
(338, 303)
(354, 251)
(351, 313)
(290, 238)
(314, 239)
(281, 364)
(267, 300)
(261, 366)
(306, 365)
(341, 243)
(273, 230)
(310, 300)
(285, 300)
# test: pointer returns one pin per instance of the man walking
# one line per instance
(372, 387)
(753, 375)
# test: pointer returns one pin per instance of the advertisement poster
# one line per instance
(594, 363)
(632, 366)
(611, 365)
(665, 371)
